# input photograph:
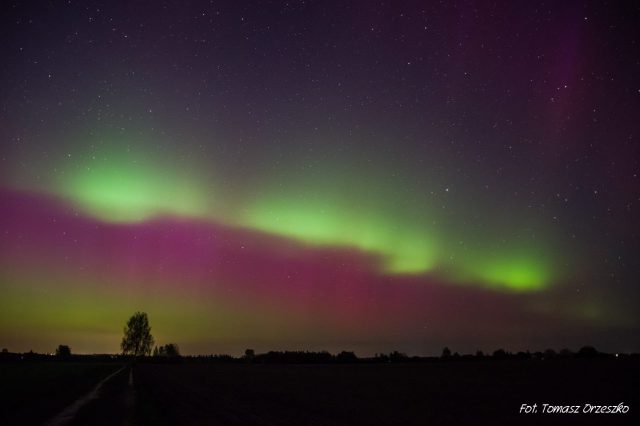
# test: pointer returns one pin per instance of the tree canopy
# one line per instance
(137, 340)
(63, 351)
(170, 350)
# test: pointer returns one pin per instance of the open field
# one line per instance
(380, 394)
(475, 392)
(32, 392)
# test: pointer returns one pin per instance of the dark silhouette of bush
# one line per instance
(500, 354)
(522, 355)
(63, 351)
(587, 352)
(381, 358)
(346, 357)
(249, 355)
(170, 350)
(396, 356)
(137, 340)
(295, 357)
(446, 353)
(213, 359)
(565, 353)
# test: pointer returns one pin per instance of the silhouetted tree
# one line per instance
(249, 354)
(479, 354)
(156, 352)
(137, 340)
(381, 358)
(63, 351)
(170, 350)
(5, 350)
(345, 356)
(296, 357)
(499, 354)
(446, 352)
(587, 352)
(550, 354)
(565, 353)
(396, 356)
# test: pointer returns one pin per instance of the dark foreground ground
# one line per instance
(31, 392)
(457, 393)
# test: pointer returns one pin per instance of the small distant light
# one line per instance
(617, 355)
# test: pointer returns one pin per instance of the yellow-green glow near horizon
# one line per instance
(97, 311)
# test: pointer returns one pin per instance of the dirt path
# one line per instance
(111, 402)
(68, 414)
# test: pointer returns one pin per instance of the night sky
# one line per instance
(367, 176)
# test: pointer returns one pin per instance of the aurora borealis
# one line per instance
(320, 175)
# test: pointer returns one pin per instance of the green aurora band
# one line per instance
(123, 186)
(114, 193)
(405, 248)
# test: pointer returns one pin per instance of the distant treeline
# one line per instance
(34, 356)
(322, 357)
